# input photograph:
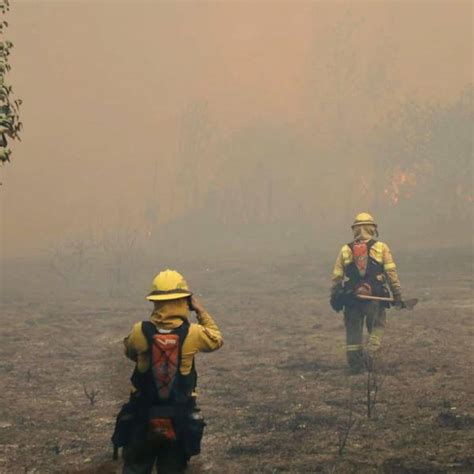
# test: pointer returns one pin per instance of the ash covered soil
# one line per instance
(276, 397)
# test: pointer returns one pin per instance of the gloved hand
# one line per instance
(195, 305)
(336, 300)
(398, 301)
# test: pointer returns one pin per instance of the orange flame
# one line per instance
(463, 194)
(400, 186)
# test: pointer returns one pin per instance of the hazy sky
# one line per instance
(104, 85)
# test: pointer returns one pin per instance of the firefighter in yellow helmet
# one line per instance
(161, 424)
(365, 266)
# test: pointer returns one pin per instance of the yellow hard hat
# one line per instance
(364, 218)
(168, 285)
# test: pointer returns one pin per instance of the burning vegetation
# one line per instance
(400, 186)
(427, 160)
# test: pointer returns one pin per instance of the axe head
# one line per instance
(410, 304)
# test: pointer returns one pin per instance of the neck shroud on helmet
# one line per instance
(364, 227)
(365, 232)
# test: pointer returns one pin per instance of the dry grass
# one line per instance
(273, 397)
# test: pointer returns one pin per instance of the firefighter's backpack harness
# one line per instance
(164, 400)
(365, 274)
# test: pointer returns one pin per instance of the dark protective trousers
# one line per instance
(140, 457)
(354, 316)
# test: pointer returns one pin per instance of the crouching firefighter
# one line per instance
(364, 267)
(161, 424)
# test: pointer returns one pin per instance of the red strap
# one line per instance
(165, 360)
(360, 253)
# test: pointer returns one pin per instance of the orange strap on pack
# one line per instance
(360, 252)
(165, 360)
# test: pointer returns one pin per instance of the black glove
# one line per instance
(337, 298)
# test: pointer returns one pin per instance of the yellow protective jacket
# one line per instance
(379, 252)
(202, 337)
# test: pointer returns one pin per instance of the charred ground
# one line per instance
(276, 397)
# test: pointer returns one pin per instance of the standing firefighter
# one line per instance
(363, 268)
(161, 424)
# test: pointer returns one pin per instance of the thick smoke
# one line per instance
(236, 128)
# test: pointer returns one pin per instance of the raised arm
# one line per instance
(207, 335)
